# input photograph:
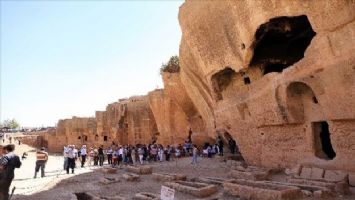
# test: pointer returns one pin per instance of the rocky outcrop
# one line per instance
(277, 76)
(174, 112)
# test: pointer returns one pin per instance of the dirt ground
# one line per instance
(64, 186)
(57, 185)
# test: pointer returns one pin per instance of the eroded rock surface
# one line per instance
(277, 76)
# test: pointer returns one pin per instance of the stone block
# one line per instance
(335, 175)
(294, 171)
(306, 193)
(140, 169)
(113, 198)
(312, 185)
(306, 172)
(130, 177)
(261, 190)
(168, 177)
(210, 180)
(317, 173)
(342, 188)
(323, 194)
(194, 188)
(109, 170)
(146, 196)
(106, 180)
(249, 175)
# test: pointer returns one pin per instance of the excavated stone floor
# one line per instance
(95, 181)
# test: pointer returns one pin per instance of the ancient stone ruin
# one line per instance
(277, 76)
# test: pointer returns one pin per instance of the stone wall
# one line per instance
(34, 139)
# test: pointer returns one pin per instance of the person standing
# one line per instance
(83, 154)
(115, 157)
(8, 163)
(96, 157)
(133, 155)
(41, 160)
(101, 155)
(120, 154)
(178, 152)
(71, 159)
(65, 155)
(76, 155)
(194, 154)
(167, 152)
(161, 153)
(109, 155)
(220, 145)
(140, 155)
(232, 145)
(91, 156)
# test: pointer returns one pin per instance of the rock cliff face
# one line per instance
(277, 76)
(174, 111)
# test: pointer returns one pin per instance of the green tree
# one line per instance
(172, 66)
(11, 123)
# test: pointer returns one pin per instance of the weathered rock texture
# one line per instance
(277, 76)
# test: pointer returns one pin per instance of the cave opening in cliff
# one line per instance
(221, 80)
(281, 42)
(246, 80)
(323, 144)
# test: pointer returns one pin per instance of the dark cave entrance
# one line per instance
(323, 145)
(281, 42)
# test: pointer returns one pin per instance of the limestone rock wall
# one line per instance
(275, 75)
(174, 112)
(128, 121)
(142, 128)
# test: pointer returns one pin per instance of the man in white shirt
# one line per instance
(83, 154)
(71, 159)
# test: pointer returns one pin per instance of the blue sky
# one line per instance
(70, 58)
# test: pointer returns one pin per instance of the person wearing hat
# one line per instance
(42, 157)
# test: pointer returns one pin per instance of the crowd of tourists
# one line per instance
(116, 155)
